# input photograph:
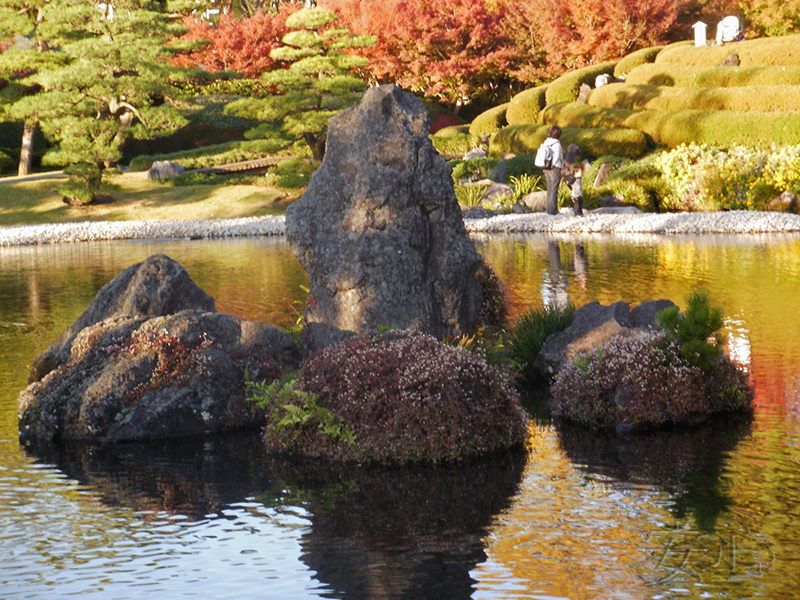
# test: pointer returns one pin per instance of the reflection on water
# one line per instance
(707, 513)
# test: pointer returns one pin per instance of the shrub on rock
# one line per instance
(399, 397)
(641, 380)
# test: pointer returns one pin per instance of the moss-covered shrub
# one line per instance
(687, 76)
(567, 87)
(592, 140)
(783, 50)
(456, 145)
(642, 380)
(489, 121)
(404, 396)
(634, 59)
(524, 108)
(672, 128)
(767, 98)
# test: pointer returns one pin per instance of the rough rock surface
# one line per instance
(164, 169)
(139, 364)
(379, 229)
(592, 325)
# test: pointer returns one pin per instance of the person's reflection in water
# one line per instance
(579, 264)
(556, 293)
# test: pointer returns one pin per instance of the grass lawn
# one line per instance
(134, 197)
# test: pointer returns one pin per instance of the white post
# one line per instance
(699, 33)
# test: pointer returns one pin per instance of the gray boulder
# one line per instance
(126, 373)
(592, 325)
(155, 287)
(535, 201)
(379, 230)
(497, 195)
(164, 169)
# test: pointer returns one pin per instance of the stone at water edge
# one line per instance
(379, 229)
(155, 287)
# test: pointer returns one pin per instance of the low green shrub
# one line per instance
(209, 156)
(766, 98)
(636, 58)
(525, 338)
(401, 397)
(783, 50)
(452, 130)
(473, 169)
(524, 108)
(521, 164)
(489, 121)
(668, 74)
(702, 177)
(457, 145)
(593, 140)
(567, 87)
(671, 128)
(470, 194)
(642, 380)
(640, 183)
(294, 173)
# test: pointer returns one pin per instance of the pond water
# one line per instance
(707, 513)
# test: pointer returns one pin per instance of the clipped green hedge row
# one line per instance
(593, 142)
(489, 121)
(765, 98)
(672, 128)
(524, 108)
(567, 87)
(209, 156)
(784, 50)
(634, 59)
(455, 144)
(667, 74)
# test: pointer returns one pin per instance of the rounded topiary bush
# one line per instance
(634, 59)
(399, 397)
(780, 50)
(641, 380)
(567, 87)
(524, 108)
(489, 121)
(689, 76)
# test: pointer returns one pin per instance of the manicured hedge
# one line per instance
(452, 130)
(455, 144)
(765, 98)
(784, 50)
(567, 87)
(686, 76)
(593, 142)
(489, 121)
(634, 59)
(722, 129)
(524, 107)
(209, 156)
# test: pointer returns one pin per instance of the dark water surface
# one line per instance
(708, 513)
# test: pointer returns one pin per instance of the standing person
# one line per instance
(553, 174)
(577, 190)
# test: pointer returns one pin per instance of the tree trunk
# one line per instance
(26, 152)
(317, 144)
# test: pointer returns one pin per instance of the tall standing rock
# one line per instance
(379, 229)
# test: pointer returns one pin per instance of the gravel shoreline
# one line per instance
(733, 222)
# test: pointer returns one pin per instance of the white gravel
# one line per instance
(676, 223)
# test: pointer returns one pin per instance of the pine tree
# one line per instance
(97, 76)
(319, 81)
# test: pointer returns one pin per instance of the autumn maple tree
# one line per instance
(233, 44)
(456, 51)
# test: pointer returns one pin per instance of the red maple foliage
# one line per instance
(455, 51)
(233, 44)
